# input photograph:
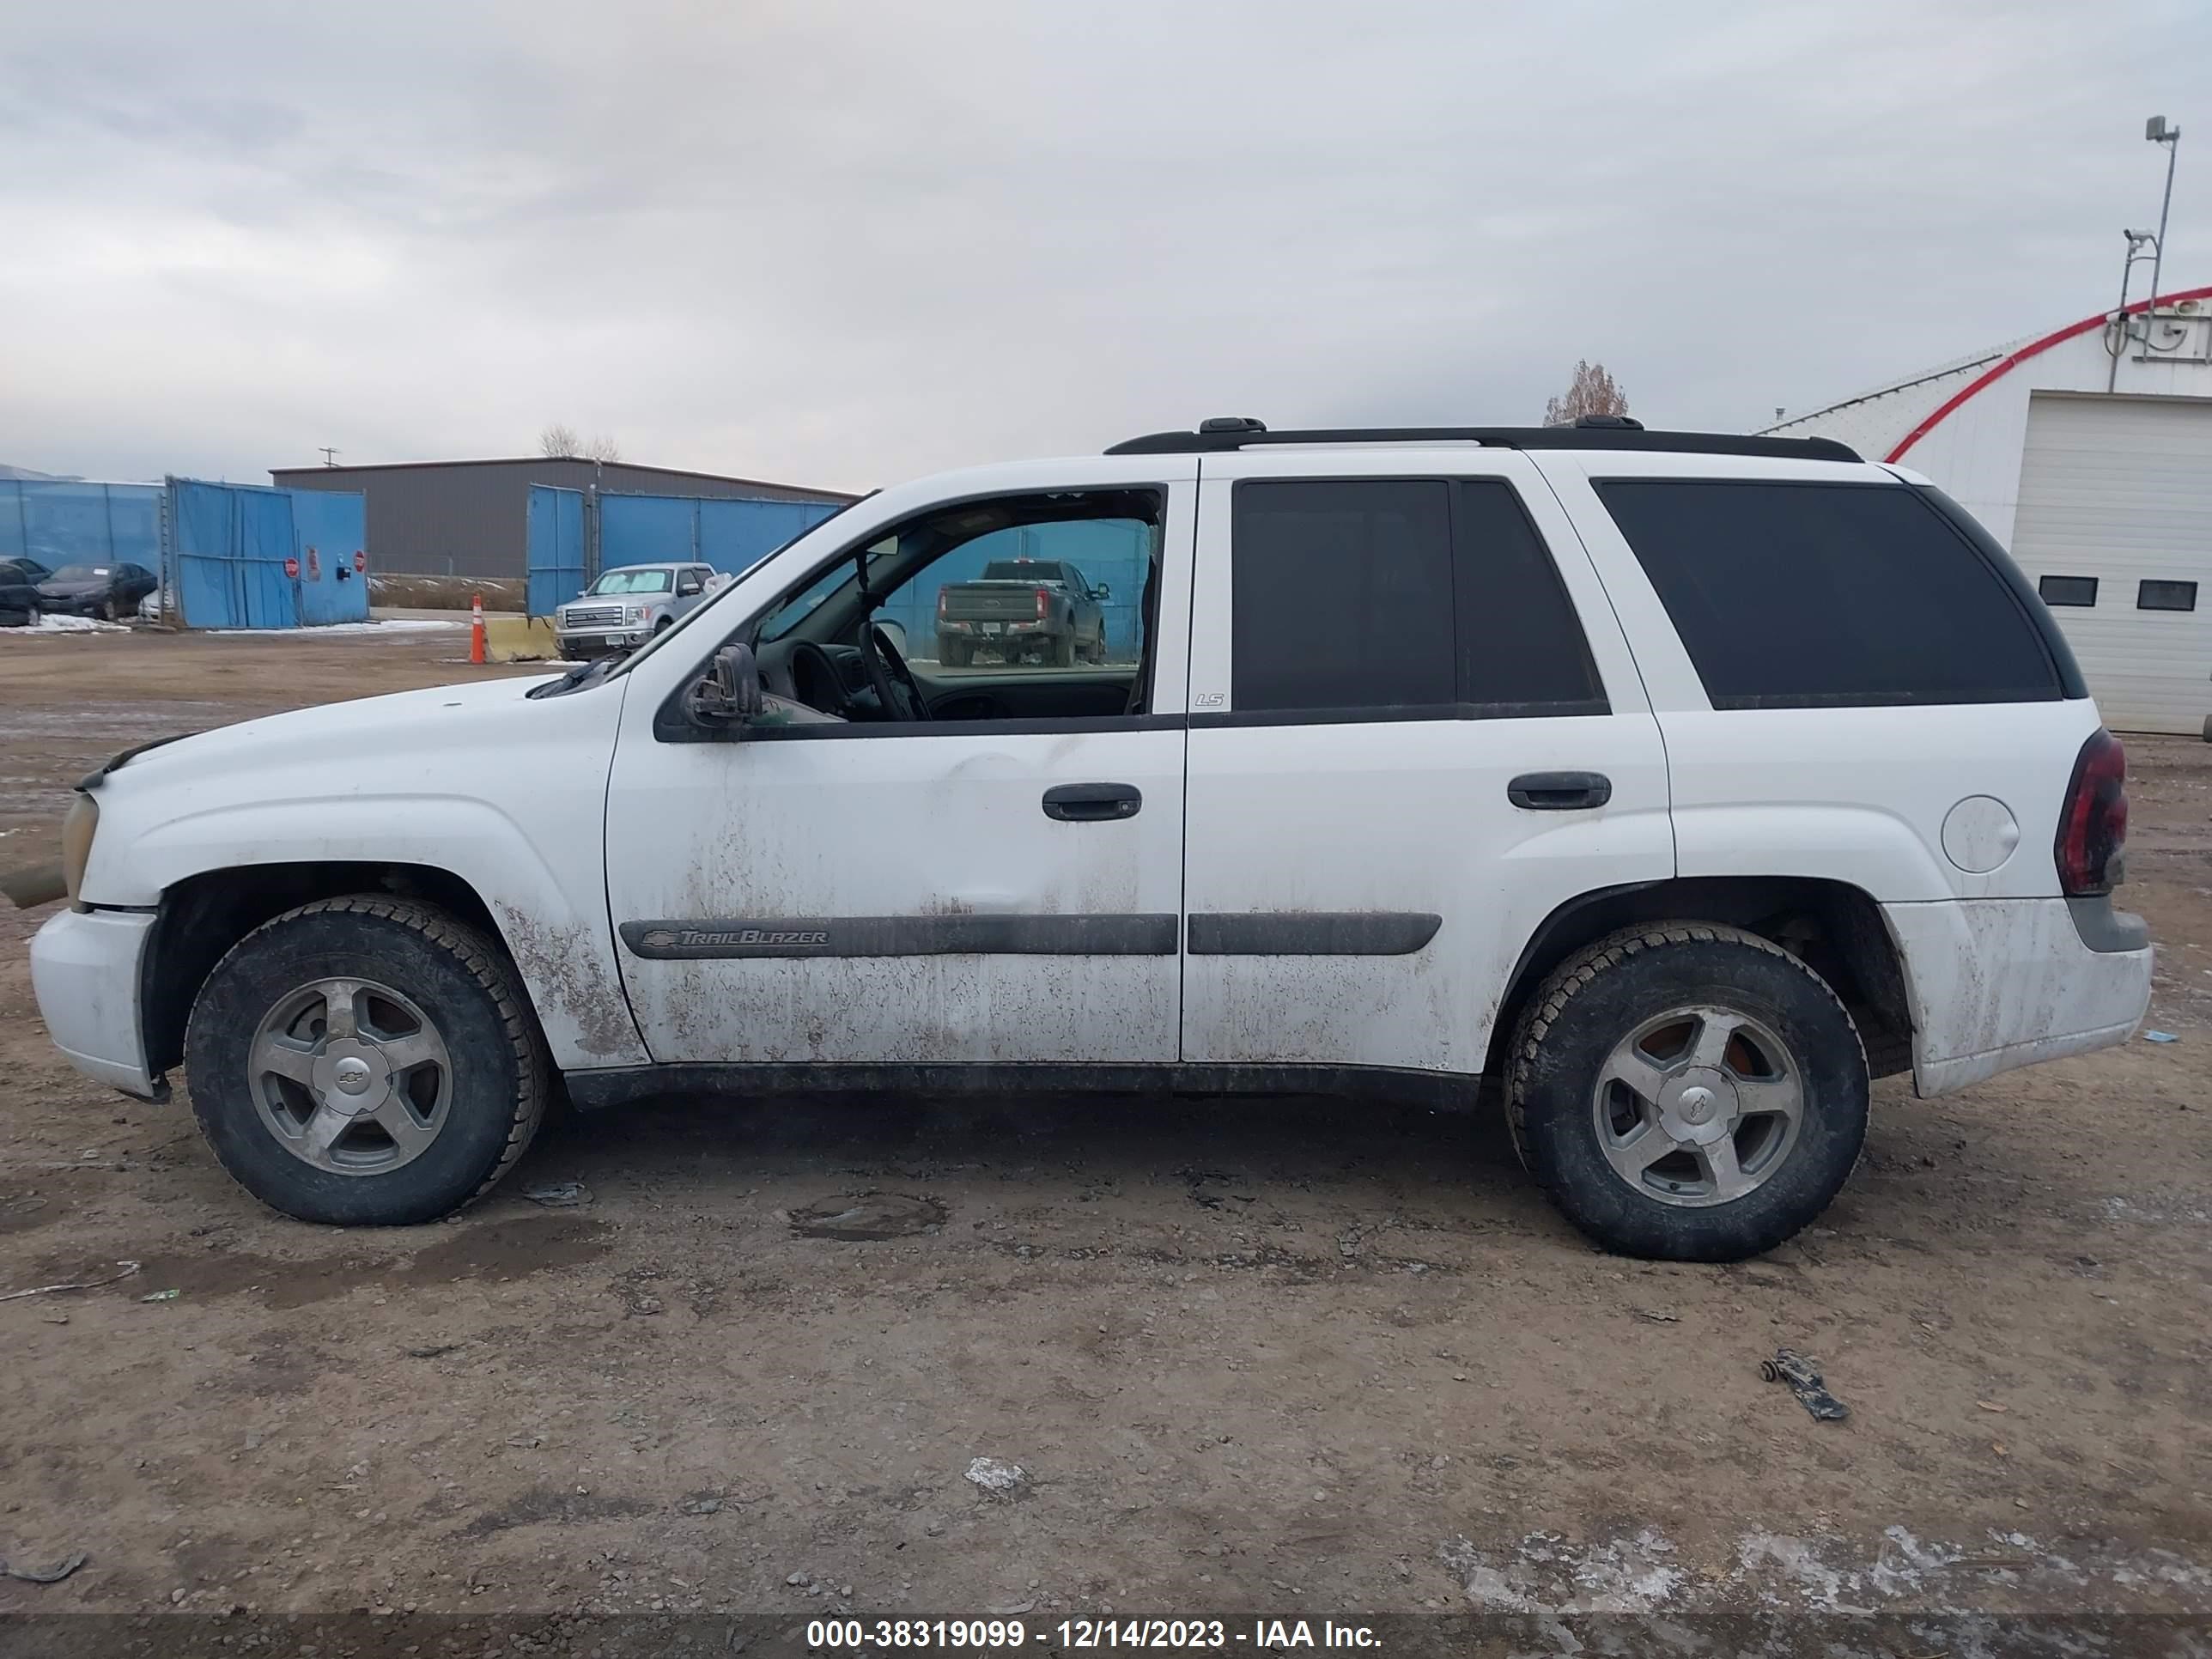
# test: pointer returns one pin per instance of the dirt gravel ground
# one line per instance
(1304, 1358)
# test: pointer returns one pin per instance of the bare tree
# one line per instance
(604, 450)
(1592, 391)
(559, 441)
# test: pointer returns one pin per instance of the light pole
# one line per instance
(2122, 330)
(2157, 132)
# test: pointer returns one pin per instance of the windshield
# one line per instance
(80, 572)
(795, 610)
(632, 581)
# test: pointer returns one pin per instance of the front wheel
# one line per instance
(366, 1060)
(1687, 1091)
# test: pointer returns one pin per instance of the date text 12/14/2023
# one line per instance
(1080, 1634)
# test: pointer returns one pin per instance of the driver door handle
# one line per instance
(1092, 803)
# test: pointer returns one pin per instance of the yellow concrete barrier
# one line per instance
(510, 638)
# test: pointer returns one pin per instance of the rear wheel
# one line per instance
(952, 654)
(1063, 651)
(1688, 1091)
(366, 1060)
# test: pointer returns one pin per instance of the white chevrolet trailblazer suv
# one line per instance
(1675, 785)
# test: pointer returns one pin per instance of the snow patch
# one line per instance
(385, 625)
(52, 623)
(1547, 1575)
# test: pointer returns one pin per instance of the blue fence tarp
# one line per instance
(61, 522)
(734, 534)
(330, 528)
(228, 545)
(572, 537)
(1109, 552)
(554, 548)
(731, 534)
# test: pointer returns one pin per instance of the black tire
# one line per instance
(501, 1074)
(951, 653)
(1063, 651)
(1599, 998)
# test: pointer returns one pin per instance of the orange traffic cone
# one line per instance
(476, 629)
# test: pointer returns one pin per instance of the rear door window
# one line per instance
(1403, 598)
(1797, 595)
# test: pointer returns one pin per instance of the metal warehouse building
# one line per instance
(2088, 451)
(468, 518)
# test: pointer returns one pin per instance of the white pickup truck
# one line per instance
(1674, 785)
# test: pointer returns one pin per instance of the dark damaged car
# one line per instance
(108, 591)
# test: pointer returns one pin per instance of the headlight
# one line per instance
(83, 817)
(633, 613)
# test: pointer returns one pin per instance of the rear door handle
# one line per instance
(1092, 803)
(1559, 791)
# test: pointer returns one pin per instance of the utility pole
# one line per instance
(330, 455)
(2157, 132)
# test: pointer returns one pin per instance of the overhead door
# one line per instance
(2115, 528)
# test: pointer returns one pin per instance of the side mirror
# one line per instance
(687, 587)
(1102, 592)
(729, 693)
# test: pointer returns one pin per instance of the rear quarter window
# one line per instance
(1804, 595)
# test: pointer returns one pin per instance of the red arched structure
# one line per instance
(2011, 361)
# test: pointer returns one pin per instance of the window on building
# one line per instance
(1794, 595)
(1418, 598)
(2166, 595)
(2068, 590)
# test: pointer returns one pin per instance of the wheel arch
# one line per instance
(1835, 928)
(201, 916)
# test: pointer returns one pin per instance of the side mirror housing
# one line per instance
(729, 693)
(1102, 592)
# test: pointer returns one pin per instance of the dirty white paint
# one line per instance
(1979, 833)
(85, 975)
(898, 826)
(504, 792)
(1410, 817)
(1995, 983)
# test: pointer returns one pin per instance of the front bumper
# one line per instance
(85, 972)
(601, 642)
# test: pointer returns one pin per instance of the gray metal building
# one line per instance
(468, 518)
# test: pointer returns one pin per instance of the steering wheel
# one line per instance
(885, 666)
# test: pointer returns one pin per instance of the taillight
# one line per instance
(1044, 605)
(2093, 827)
(940, 601)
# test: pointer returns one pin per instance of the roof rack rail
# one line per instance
(1224, 433)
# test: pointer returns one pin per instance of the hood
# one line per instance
(378, 730)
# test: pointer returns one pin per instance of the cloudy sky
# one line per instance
(841, 244)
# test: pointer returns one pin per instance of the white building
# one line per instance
(2095, 467)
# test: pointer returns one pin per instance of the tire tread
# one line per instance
(1584, 968)
(487, 966)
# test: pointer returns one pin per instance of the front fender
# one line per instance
(556, 932)
(505, 793)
